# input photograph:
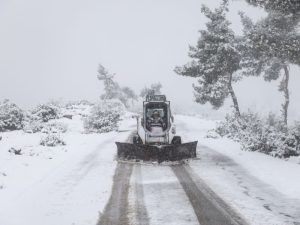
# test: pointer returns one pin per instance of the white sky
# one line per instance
(51, 49)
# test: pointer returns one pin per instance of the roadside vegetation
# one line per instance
(268, 135)
(267, 48)
(50, 120)
(104, 117)
(11, 116)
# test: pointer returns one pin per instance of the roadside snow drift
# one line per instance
(67, 184)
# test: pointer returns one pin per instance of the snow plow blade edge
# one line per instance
(161, 153)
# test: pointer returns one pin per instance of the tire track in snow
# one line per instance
(137, 202)
(164, 197)
(116, 210)
(208, 207)
(270, 206)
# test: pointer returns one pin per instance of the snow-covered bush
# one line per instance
(76, 108)
(54, 127)
(45, 112)
(11, 116)
(33, 126)
(237, 128)
(53, 132)
(268, 135)
(71, 104)
(52, 140)
(114, 104)
(104, 117)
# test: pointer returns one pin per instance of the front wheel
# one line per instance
(176, 140)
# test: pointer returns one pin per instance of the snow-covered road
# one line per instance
(116, 210)
(164, 194)
(265, 190)
(256, 200)
(82, 183)
(164, 199)
(73, 192)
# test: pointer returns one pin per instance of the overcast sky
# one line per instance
(51, 49)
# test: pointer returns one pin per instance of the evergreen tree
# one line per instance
(113, 89)
(126, 95)
(269, 47)
(154, 89)
(283, 6)
(110, 86)
(215, 60)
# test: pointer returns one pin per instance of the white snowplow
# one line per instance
(155, 139)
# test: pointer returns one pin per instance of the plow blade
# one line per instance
(156, 153)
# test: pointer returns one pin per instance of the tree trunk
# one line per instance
(233, 96)
(284, 87)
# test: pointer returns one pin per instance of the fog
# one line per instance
(51, 50)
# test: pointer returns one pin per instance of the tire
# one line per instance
(136, 140)
(176, 140)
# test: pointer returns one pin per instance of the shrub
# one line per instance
(268, 135)
(45, 112)
(33, 126)
(104, 117)
(11, 116)
(114, 104)
(52, 140)
(55, 127)
(80, 102)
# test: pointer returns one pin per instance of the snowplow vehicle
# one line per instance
(155, 139)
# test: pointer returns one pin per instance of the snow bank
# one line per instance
(64, 184)
(264, 189)
(281, 174)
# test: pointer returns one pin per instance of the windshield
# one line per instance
(156, 115)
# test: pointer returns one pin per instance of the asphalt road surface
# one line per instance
(116, 210)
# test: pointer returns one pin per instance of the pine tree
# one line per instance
(110, 86)
(269, 47)
(283, 6)
(154, 89)
(113, 89)
(215, 60)
(126, 95)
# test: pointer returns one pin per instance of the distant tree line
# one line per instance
(112, 90)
